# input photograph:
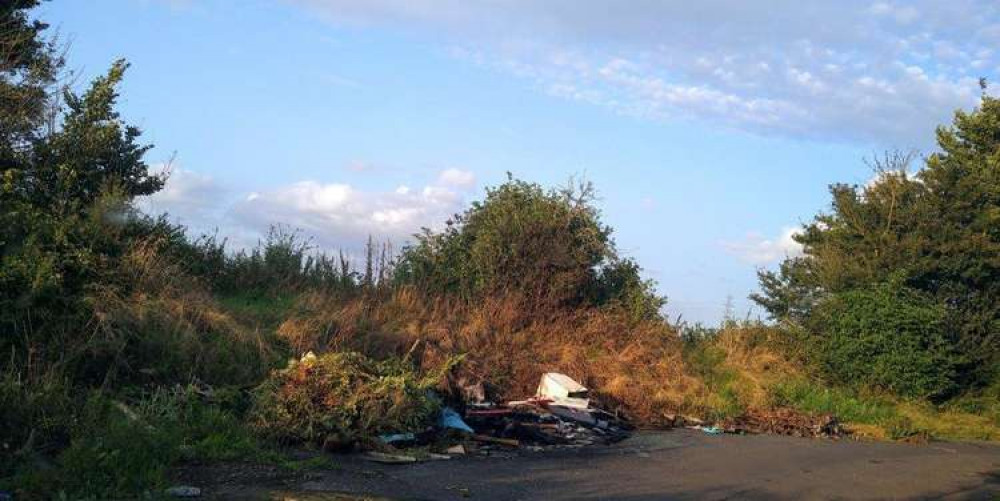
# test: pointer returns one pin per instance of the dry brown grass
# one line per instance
(159, 324)
(634, 368)
(753, 355)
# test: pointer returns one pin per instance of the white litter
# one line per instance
(563, 390)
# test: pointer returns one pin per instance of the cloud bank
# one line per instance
(759, 250)
(334, 215)
(859, 71)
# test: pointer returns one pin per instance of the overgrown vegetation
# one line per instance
(932, 233)
(339, 399)
(548, 246)
(130, 346)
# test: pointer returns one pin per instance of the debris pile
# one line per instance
(784, 421)
(559, 415)
(343, 400)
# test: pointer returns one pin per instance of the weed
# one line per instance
(342, 398)
(812, 397)
(118, 450)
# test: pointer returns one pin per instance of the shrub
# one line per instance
(153, 323)
(812, 397)
(886, 338)
(34, 414)
(549, 246)
(344, 398)
(117, 451)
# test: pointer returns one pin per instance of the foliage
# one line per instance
(34, 413)
(934, 232)
(813, 397)
(888, 338)
(29, 66)
(750, 366)
(345, 397)
(63, 216)
(155, 324)
(549, 246)
(120, 451)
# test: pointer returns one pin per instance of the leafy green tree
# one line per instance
(936, 232)
(887, 337)
(68, 177)
(549, 246)
(29, 65)
(962, 266)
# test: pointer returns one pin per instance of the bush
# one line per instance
(118, 451)
(815, 398)
(343, 398)
(549, 246)
(33, 415)
(886, 338)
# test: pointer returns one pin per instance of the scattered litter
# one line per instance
(711, 430)
(563, 390)
(582, 416)
(488, 412)
(559, 415)
(397, 438)
(462, 491)
(784, 421)
(451, 419)
(509, 442)
(183, 491)
(385, 458)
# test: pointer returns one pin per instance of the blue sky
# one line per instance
(711, 131)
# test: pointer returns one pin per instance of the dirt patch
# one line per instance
(784, 421)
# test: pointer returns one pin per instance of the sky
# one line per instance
(710, 129)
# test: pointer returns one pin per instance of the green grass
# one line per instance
(265, 311)
(847, 406)
(966, 418)
(119, 451)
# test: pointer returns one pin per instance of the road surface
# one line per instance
(679, 464)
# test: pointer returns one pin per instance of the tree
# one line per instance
(962, 266)
(936, 232)
(66, 184)
(889, 337)
(29, 65)
(548, 246)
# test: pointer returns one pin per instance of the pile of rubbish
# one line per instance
(784, 421)
(559, 415)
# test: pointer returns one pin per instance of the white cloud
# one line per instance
(340, 215)
(334, 215)
(758, 250)
(881, 72)
(187, 196)
(457, 178)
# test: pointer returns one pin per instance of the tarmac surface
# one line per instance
(679, 464)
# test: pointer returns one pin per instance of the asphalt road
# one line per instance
(680, 464)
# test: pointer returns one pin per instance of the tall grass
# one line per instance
(285, 262)
(120, 451)
(634, 367)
